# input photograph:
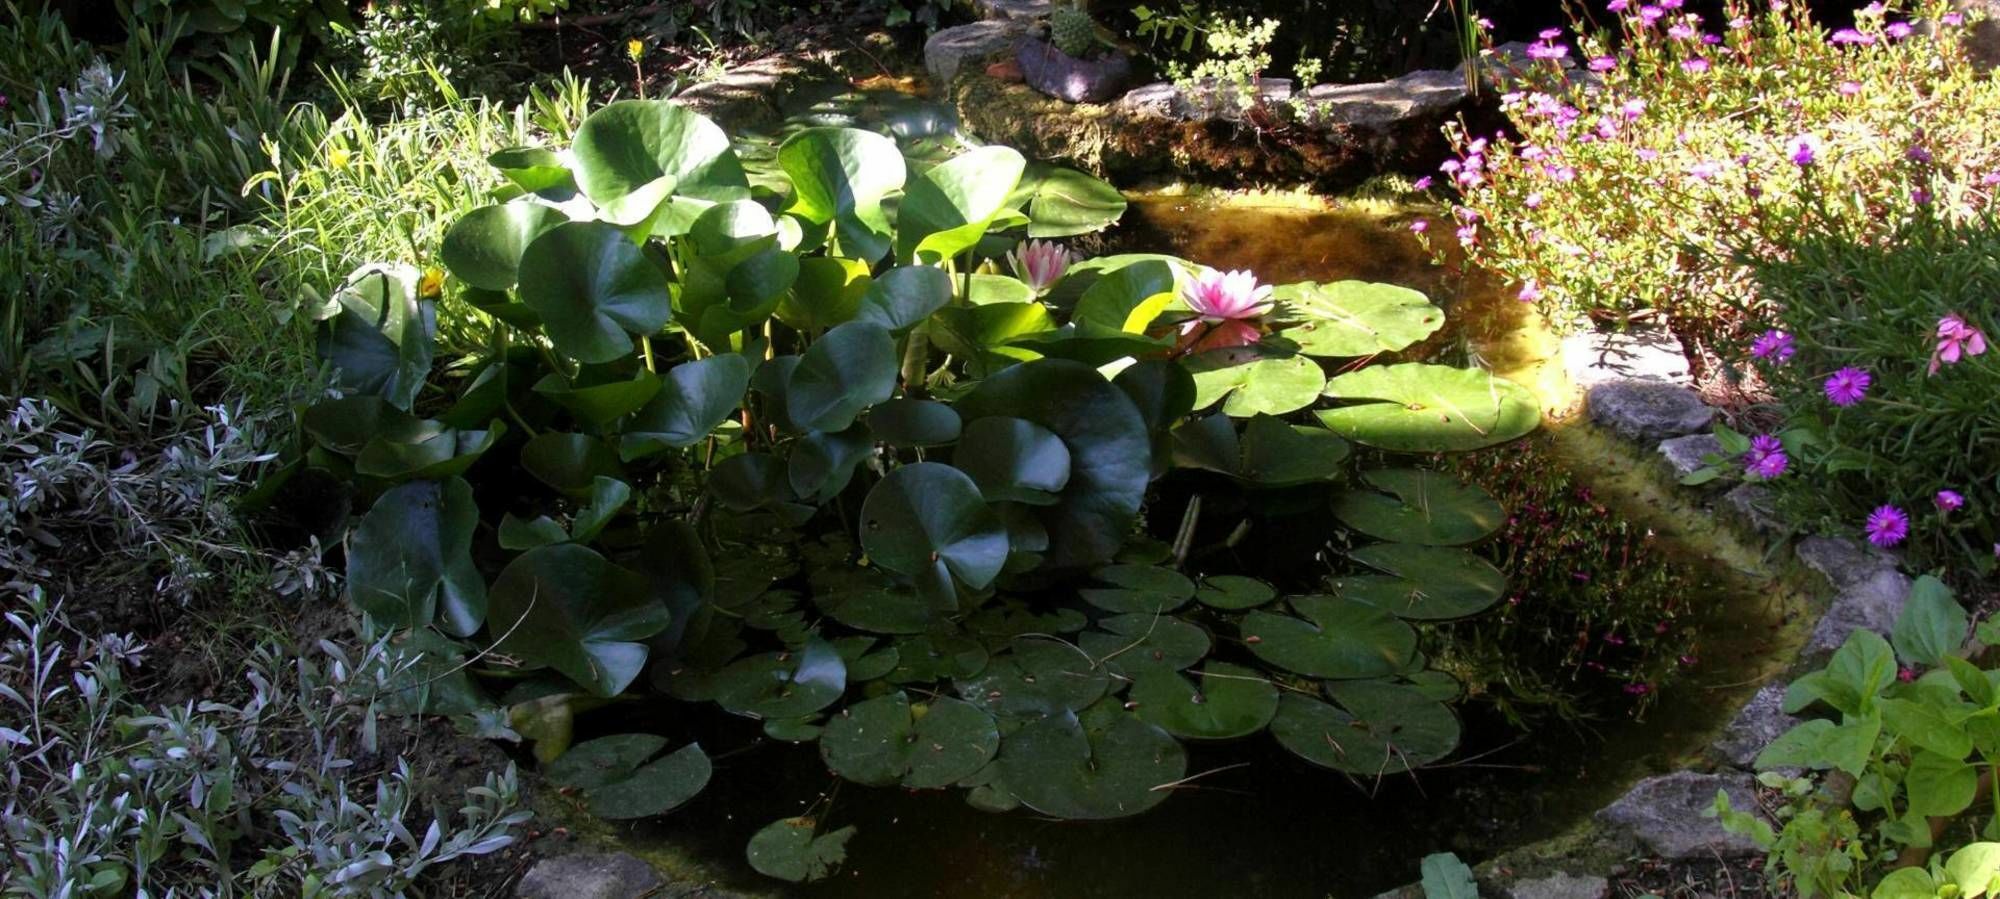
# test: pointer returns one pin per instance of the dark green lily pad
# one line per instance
(1417, 408)
(1424, 582)
(1103, 764)
(1339, 638)
(1223, 702)
(793, 730)
(1424, 507)
(410, 559)
(484, 247)
(880, 610)
(788, 850)
(851, 367)
(1143, 641)
(1380, 728)
(885, 740)
(1271, 453)
(908, 422)
(1013, 618)
(1035, 678)
(929, 522)
(566, 607)
(593, 289)
(1014, 460)
(693, 399)
(928, 658)
(625, 148)
(571, 463)
(1139, 588)
(424, 451)
(783, 685)
(656, 789)
(1234, 592)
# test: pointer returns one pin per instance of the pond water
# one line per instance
(1257, 821)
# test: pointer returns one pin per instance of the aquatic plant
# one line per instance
(774, 437)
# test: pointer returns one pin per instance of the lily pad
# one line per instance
(851, 367)
(840, 177)
(1140, 641)
(1223, 702)
(929, 522)
(1062, 202)
(1271, 453)
(1338, 639)
(484, 247)
(593, 289)
(823, 463)
(885, 741)
(1423, 582)
(1103, 764)
(1034, 678)
(1380, 728)
(1014, 460)
(789, 850)
(908, 422)
(599, 404)
(1248, 384)
(949, 207)
(1419, 408)
(604, 760)
(1422, 507)
(377, 334)
(656, 789)
(1355, 318)
(410, 559)
(783, 685)
(903, 297)
(1139, 588)
(880, 610)
(571, 463)
(927, 658)
(625, 147)
(1234, 592)
(566, 607)
(694, 398)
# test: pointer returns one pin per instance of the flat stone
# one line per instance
(1685, 454)
(1756, 505)
(589, 876)
(970, 47)
(1013, 10)
(1156, 99)
(1873, 604)
(1667, 815)
(1592, 358)
(1206, 99)
(1560, 886)
(1424, 95)
(1648, 412)
(1843, 562)
(1760, 721)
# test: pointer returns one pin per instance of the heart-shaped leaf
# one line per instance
(828, 292)
(656, 789)
(927, 518)
(789, 850)
(593, 289)
(1222, 702)
(903, 297)
(1354, 318)
(1062, 202)
(1144, 641)
(694, 398)
(1380, 728)
(844, 372)
(568, 608)
(1423, 582)
(1103, 764)
(823, 463)
(410, 559)
(571, 463)
(1419, 408)
(908, 422)
(840, 177)
(1422, 507)
(377, 334)
(1139, 588)
(1234, 592)
(1339, 638)
(947, 209)
(783, 685)
(535, 170)
(484, 247)
(885, 741)
(627, 146)
(1128, 299)
(1014, 460)
(1271, 452)
(1249, 384)
(599, 404)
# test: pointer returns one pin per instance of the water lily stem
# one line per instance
(646, 347)
(1184, 540)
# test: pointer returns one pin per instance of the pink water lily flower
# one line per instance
(1225, 304)
(1040, 263)
(1956, 340)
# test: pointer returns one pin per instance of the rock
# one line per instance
(1064, 77)
(1648, 411)
(1844, 562)
(1685, 453)
(1982, 40)
(1593, 358)
(1667, 814)
(969, 45)
(1421, 95)
(1155, 99)
(589, 876)
(1560, 886)
(1014, 10)
(1760, 721)
(748, 94)
(1206, 99)
(1755, 504)
(1873, 604)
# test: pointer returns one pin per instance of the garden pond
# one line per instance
(1253, 819)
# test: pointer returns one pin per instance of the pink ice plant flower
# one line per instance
(1956, 340)
(1803, 150)
(1224, 304)
(1887, 525)
(1775, 345)
(1766, 458)
(1847, 386)
(1950, 500)
(1040, 263)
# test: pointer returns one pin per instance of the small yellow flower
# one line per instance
(338, 157)
(635, 49)
(432, 285)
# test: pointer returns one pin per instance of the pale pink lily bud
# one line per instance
(1227, 296)
(1040, 263)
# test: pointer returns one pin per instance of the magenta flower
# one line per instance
(1423, 183)
(1849, 88)
(1766, 458)
(1950, 501)
(1227, 296)
(1546, 50)
(1899, 30)
(1954, 19)
(1774, 344)
(1420, 226)
(1040, 263)
(1616, 5)
(1955, 340)
(1696, 65)
(1530, 291)
(1803, 150)
(1887, 526)
(1603, 63)
(1847, 386)
(1851, 36)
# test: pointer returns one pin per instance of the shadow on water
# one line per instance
(1260, 822)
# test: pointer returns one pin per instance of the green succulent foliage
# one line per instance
(800, 452)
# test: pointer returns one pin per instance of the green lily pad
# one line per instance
(783, 685)
(1139, 588)
(377, 334)
(1420, 408)
(1338, 638)
(1234, 592)
(1224, 701)
(535, 170)
(851, 367)
(593, 289)
(949, 207)
(1271, 453)
(626, 147)
(484, 247)
(1424, 507)
(840, 177)
(929, 522)
(568, 608)
(1103, 764)
(1012, 618)
(908, 422)
(880, 610)
(655, 789)
(788, 850)
(1249, 384)
(1014, 460)
(927, 658)
(694, 398)
(885, 741)
(604, 760)
(822, 464)
(793, 730)
(1355, 318)
(425, 450)
(828, 292)
(1141, 641)
(1090, 343)
(1128, 299)
(1379, 729)
(571, 463)
(1062, 202)
(1034, 678)
(903, 297)
(597, 405)
(981, 334)
(1424, 582)
(410, 559)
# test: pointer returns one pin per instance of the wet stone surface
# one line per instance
(1648, 412)
(1762, 720)
(1668, 814)
(1560, 886)
(1685, 454)
(590, 876)
(1873, 603)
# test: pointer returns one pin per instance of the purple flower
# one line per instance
(1423, 183)
(1040, 263)
(1803, 150)
(1705, 170)
(1543, 50)
(1632, 110)
(1651, 14)
(1917, 153)
(1420, 226)
(1549, 34)
(1950, 501)
(1849, 88)
(1531, 290)
(1766, 458)
(1954, 18)
(1899, 30)
(1696, 65)
(1681, 31)
(1774, 344)
(1920, 196)
(1617, 5)
(1956, 340)
(1887, 526)
(1603, 63)
(1847, 386)
(1851, 36)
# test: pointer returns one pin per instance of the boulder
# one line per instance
(1013, 10)
(1873, 603)
(1685, 454)
(1760, 721)
(1668, 815)
(1065, 77)
(1844, 562)
(1560, 886)
(970, 47)
(1756, 505)
(1206, 99)
(1648, 411)
(589, 876)
(1594, 358)
(1423, 96)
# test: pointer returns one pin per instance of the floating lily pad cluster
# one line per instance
(780, 435)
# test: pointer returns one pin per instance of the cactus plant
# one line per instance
(1073, 31)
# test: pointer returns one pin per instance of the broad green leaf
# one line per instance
(603, 761)
(1445, 877)
(425, 450)
(822, 463)
(1421, 408)
(1974, 868)
(783, 685)
(1145, 641)
(1353, 318)
(594, 290)
(903, 297)
(625, 146)
(1939, 786)
(410, 559)
(656, 789)
(1222, 702)
(1034, 678)
(1234, 592)
(377, 334)
(1924, 725)
(535, 170)
(1863, 666)
(1247, 384)
(608, 496)
(1062, 202)
(1423, 582)
(981, 334)
(1271, 453)
(568, 608)
(1905, 883)
(599, 404)
(1102, 764)
(1932, 625)
(1339, 639)
(1014, 460)
(828, 292)
(484, 247)
(1127, 299)
(791, 850)
(927, 519)
(571, 463)
(1379, 729)
(908, 422)
(694, 398)
(1142, 589)
(947, 209)
(847, 370)
(1420, 507)
(885, 741)
(840, 177)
